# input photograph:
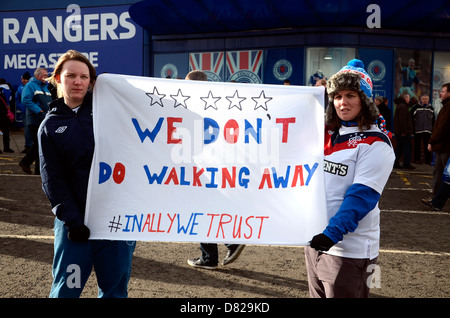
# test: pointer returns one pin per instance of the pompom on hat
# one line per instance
(344, 80)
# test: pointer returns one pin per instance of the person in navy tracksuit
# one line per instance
(66, 149)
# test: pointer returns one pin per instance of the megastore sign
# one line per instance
(106, 35)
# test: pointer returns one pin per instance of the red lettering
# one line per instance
(238, 233)
(266, 179)
(172, 176)
(171, 130)
(119, 173)
(196, 178)
(298, 174)
(147, 223)
(251, 230)
(260, 227)
(221, 223)
(151, 225)
(226, 177)
(210, 224)
(285, 122)
(231, 131)
(171, 221)
(159, 223)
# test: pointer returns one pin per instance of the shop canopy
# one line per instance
(167, 17)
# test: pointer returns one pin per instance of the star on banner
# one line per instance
(235, 101)
(180, 99)
(261, 101)
(210, 101)
(156, 97)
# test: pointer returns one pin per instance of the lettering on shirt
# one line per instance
(335, 168)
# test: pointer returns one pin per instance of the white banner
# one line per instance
(194, 161)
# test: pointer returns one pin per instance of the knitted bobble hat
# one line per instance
(346, 79)
(353, 77)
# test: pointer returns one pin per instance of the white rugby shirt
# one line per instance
(355, 157)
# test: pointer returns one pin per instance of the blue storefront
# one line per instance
(261, 41)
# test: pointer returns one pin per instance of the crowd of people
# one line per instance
(337, 258)
(30, 100)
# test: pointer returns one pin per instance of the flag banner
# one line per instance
(244, 66)
(211, 63)
(201, 161)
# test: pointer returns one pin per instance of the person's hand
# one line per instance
(79, 234)
(321, 242)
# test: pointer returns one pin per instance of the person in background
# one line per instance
(210, 255)
(338, 260)
(6, 117)
(5, 123)
(403, 130)
(384, 110)
(36, 98)
(423, 120)
(442, 194)
(66, 148)
(439, 143)
(21, 107)
(323, 82)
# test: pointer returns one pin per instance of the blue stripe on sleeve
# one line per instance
(358, 202)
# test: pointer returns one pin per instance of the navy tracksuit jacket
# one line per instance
(66, 149)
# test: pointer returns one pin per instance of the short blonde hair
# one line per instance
(196, 75)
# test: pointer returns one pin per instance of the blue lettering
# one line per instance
(147, 133)
(243, 182)
(182, 177)
(249, 129)
(310, 172)
(137, 222)
(182, 228)
(152, 177)
(210, 137)
(105, 172)
(126, 229)
(280, 180)
(194, 224)
(213, 173)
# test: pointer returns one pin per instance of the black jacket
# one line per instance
(66, 149)
(402, 118)
(440, 138)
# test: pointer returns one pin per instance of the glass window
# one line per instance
(441, 76)
(323, 62)
(412, 74)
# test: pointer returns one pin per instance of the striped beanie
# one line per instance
(345, 80)
(352, 77)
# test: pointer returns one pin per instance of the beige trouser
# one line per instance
(337, 277)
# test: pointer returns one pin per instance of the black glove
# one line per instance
(321, 242)
(79, 234)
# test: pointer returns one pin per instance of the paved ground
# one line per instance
(414, 260)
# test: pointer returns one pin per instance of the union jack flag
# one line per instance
(209, 62)
(245, 66)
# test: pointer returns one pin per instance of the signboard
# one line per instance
(106, 35)
(206, 162)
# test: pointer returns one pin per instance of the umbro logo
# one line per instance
(61, 129)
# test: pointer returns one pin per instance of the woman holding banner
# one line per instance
(66, 148)
(340, 260)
